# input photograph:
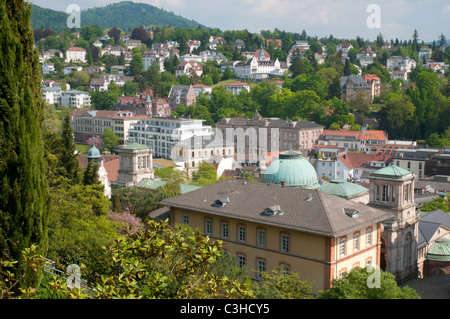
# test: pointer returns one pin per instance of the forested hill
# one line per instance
(124, 15)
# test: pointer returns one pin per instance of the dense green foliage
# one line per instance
(361, 283)
(23, 188)
(79, 226)
(124, 15)
(138, 201)
(437, 203)
(49, 19)
(110, 140)
(279, 284)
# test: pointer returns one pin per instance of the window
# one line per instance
(208, 227)
(241, 233)
(369, 237)
(406, 193)
(356, 242)
(261, 267)
(407, 249)
(385, 194)
(261, 240)
(225, 230)
(285, 242)
(286, 269)
(186, 220)
(342, 246)
(241, 261)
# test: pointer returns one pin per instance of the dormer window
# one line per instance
(221, 202)
(352, 213)
(273, 210)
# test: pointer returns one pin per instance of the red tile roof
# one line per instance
(340, 133)
(372, 135)
(370, 77)
(360, 160)
(76, 49)
(110, 163)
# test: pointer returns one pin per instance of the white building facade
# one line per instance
(162, 134)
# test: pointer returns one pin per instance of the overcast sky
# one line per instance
(341, 18)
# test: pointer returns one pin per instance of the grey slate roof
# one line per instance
(429, 224)
(322, 215)
(358, 81)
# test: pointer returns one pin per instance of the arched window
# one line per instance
(407, 250)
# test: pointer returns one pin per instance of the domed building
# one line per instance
(346, 189)
(94, 154)
(292, 169)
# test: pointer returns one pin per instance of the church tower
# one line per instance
(149, 106)
(392, 188)
(135, 164)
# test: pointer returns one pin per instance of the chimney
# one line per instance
(283, 183)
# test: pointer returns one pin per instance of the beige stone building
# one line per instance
(135, 165)
(317, 235)
(414, 160)
(393, 188)
(87, 123)
(254, 137)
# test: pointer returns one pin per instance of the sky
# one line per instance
(341, 18)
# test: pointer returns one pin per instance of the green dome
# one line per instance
(343, 188)
(94, 152)
(292, 169)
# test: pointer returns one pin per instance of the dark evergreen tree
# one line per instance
(90, 176)
(347, 68)
(69, 166)
(24, 205)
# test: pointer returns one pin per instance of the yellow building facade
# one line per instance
(317, 235)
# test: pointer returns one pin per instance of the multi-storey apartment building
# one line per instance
(87, 123)
(401, 63)
(254, 137)
(365, 140)
(414, 160)
(150, 57)
(75, 99)
(162, 134)
(195, 150)
(353, 86)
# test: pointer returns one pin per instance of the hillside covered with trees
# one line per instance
(124, 15)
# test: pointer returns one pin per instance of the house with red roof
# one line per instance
(276, 42)
(76, 54)
(364, 140)
(375, 83)
(351, 166)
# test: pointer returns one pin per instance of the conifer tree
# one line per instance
(90, 176)
(24, 204)
(69, 166)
